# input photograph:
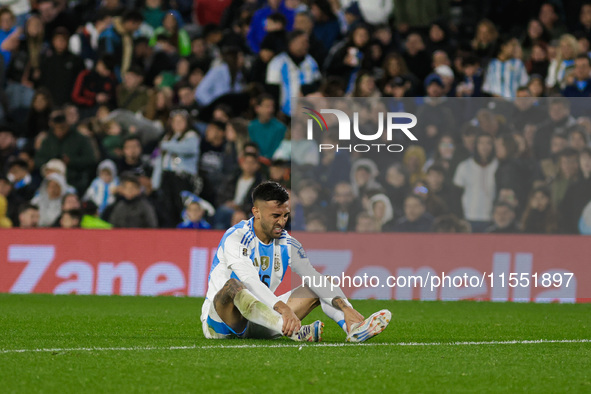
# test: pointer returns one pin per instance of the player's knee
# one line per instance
(232, 287)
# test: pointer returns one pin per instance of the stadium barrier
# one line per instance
(173, 262)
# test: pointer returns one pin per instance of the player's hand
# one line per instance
(352, 317)
(291, 323)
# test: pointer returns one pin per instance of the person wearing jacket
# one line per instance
(49, 199)
(133, 210)
(102, 189)
(97, 86)
(172, 27)
(68, 145)
(176, 163)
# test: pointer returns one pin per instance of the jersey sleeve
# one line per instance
(301, 265)
(237, 257)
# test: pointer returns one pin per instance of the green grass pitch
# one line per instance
(155, 344)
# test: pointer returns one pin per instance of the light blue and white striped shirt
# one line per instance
(290, 77)
(503, 78)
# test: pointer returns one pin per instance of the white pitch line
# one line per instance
(295, 345)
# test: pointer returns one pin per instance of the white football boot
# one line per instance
(370, 327)
(309, 333)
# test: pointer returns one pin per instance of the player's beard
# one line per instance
(268, 230)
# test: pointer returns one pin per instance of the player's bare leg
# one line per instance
(225, 308)
(238, 305)
(302, 301)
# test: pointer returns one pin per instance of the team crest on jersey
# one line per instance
(276, 265)
(264, 262)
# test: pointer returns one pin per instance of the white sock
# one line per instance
(255, 311)
(337, 315)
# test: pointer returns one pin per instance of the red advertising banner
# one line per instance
(382, 266)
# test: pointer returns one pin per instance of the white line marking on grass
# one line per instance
(295, 345)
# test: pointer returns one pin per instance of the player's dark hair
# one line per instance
(270, 191)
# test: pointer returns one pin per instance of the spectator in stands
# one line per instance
(71, 147)
(485, 40)
(38, 117)
(24, 69)
(302, 76)
(90, 217)
(363, 177)
(476, 176)
(563, 64)
(471, 84)
(578, 83)
(380, 209)
(153, 13)
(103, 188)
(397, 187)
(442, 197)
(54, 16)
(28, 216)
(577, 195)
(539, 216)
(503, 219)
(266, 130)
(8, 149)
(223, 79)
(117, 39)
(415, 219)
(306, 202)
(96, 87)
(414, 161)
(343, 210)
(560, 121)
(177, 163)
(59, 68)
(303, 21)
(568, 174)
(4, 221)
(235, 193)
(14, 200)
(512, 171)
(550, 19)
(577, 138)
(71, 219)
(257, 31)
(350, 56)
(132, 95)
(505, 73)
(326, 24)
(69, 201)
(172, 27)
(49, 199)
(85, 43)
(211, 164)
(273, 44)
(316, 223)
(415, 56)
(538, 62)
(7, 27)
(534, 34)
(133, 210)
(193, 215)
(18, 174)
(131, 160)
(365, 223)
(412, 14)
(450, 224)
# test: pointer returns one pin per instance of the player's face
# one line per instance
(272, 216)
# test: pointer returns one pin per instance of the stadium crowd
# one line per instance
(167, 114)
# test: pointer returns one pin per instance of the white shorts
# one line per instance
(215, 328)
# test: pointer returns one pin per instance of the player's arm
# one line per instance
(242, 266)
(332, 295)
